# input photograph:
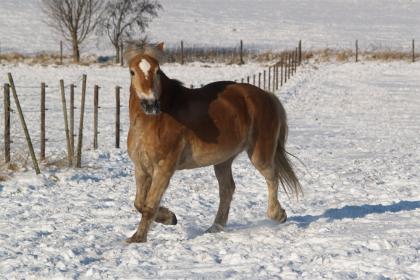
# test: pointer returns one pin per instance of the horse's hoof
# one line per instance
(174, 220)
(169, 220)
(135, 239)
(280, 217)
(215, 228)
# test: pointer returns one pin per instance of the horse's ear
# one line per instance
(160, 46)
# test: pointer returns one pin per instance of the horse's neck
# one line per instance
(171, 91)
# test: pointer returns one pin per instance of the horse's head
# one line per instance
(145, 81)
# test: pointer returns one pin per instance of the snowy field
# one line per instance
(356, 128)
(262, 24)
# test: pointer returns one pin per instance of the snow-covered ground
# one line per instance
(263, 24)
(355, 127)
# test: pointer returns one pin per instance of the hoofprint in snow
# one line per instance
(355, 127)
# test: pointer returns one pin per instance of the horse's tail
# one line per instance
(284, 169)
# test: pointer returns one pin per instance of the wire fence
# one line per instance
(102, 119)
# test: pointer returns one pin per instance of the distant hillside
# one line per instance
(269, 24)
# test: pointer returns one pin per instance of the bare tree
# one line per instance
(124, 18)
(74, 19)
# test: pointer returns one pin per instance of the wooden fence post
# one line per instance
(42, 148)
(286, 66)
(72, 86)
(241, 53)
(82, 110)
(61, 52)
(413, 51)
(247, 79)
(277, 75)
(274, 77)
(357, 50)
(66, 124)
(253, 79)
(182, 52)
(95, 116)
(23, 123)
(6, 109)
(117, 117)
(264, 78)
(300, 52)
(294, 61)
(269, 79)
(289, 64)
(259, 79)
(281, 70)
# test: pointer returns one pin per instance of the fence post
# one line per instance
(66, 124)
(182, 52)
(72, 86)
(293, 63)
(269, 79)
(247, 79)
(357, 50)
(117, 117)
(241, 53)
(264, 78)
(300, 52)
(82, 110)
(23, 123)
(296, 59)
(259, 79)
(95, 116)
(274, 77)
(277, 75)
(42, 148)
(286, 62)
(289, 64)
(61, 52)
(6, 108)
(281, 70)
(253, 79)
(414, 53)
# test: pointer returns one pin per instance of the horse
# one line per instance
(173, 127)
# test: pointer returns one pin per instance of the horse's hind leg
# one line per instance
(226, 189)
(265, 165)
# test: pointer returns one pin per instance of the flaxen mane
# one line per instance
(134, 48)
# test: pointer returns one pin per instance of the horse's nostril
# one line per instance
(150, 107)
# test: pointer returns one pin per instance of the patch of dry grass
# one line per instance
(220, 55)
(330, 55)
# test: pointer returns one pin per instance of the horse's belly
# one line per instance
(195, 156)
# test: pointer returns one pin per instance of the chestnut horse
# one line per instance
(173, 128)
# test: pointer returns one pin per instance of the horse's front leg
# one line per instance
(150, 208)
(143, 182)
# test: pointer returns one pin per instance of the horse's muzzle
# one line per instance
(150, 107)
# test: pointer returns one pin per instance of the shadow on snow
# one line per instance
(353, 212)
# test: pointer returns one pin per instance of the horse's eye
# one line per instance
(132, 72)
